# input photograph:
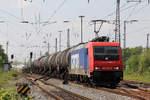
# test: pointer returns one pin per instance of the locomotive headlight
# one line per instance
(116, 68)
(97, 68)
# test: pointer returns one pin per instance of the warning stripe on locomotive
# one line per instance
(23, 89)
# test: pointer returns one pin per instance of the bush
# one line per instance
(14, 75)
(133, 51)
(138, 66)
(133, 63)
(144, 63)
(12, 95)
(1, 61)
(5, 77)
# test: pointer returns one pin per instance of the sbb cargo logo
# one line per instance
(75, 61)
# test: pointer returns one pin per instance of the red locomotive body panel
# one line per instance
(107, 65)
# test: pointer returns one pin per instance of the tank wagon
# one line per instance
(97, 61)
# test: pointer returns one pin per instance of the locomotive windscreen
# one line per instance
(106, 53)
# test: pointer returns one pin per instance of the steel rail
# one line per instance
(140, 95)
(66, 91)
(120, 91)
(136, 82)
(45, 91)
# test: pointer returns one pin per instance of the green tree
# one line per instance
(144, 63)
(1, 61)
(3, 55)
(133, 63)
(133, 51)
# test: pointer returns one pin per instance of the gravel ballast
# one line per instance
(91, 93)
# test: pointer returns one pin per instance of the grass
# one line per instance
(7, 78)
(145, 77)
(8, 86)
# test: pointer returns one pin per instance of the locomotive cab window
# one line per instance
(103, 53)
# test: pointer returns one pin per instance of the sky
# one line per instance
(30, 37)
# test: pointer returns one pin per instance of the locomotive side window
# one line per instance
(103, 53)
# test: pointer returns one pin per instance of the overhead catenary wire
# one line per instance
(140, 9)
(130, 14)
(57, 9)
(134, 11)
(112, 13)
(10, 14)
(122, 9)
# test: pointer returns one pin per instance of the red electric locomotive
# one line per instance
(105, 61)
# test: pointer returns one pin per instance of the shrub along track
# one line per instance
(54, 91)
(125, 89)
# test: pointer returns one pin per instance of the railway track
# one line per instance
(54, 91)
(139, 89)
(138, 93)
(128, 89)
(142, 84)
(124, 89)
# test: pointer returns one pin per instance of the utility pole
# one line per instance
(7, 43)
(126, 22)
(124, 35)
(81, 28)
(56, 45)
(60, 40)
(117, 24)
(95, 26)
(34, 56)
(40, 53)
(124, 44)
(22, 18)
(48, 47)
(147, 46)
(46, 38)
(68, 38)
(39, 20)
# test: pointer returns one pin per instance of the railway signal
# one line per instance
(12, 56)
(31, 55)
